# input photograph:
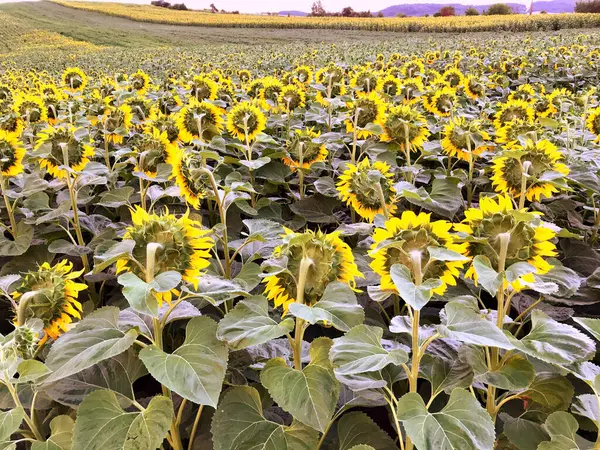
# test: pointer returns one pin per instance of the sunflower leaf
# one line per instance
(357, 429)
(415, 296)
(486, 275)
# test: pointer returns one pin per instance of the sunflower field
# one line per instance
(303, 253)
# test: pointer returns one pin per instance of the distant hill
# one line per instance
(420, 9)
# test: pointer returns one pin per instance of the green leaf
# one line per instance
(64, 247)
(461, 425)
(195, 370)
(465, 325)
(562, 429)
(239, 423)
(359, 357)
(112, 254)
(103, 425)
(18, 245)
(310, 395)
(356, 429)
(516, 372)
(554, 342)
(443, 254)
(523, 433)
(415, 296)
(10, 421)
(586, 405)
(139, 294)
(61, 435)
(486, 275)
(590, 325)
(249, 324)
(552, 391)
(31, 370)
(116, 197)
(444, 199)
(316, 209)
(444, 375)
(94, 339)
(338, 307)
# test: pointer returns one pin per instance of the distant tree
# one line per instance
(347, 11)
(401, 15)
(591, 6)
(436, 14)
(427, 15)
(317, 9)
(543, 12)
(213, 8)
(499, 9)
(446, 11)
(379, 14)
(470, 11)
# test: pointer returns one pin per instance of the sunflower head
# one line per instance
(244, 75)
(184, 246)
(331, 259)
(140, 108)
(359, 186)
(541, 161)
(530, 239)
(511, 110)
(473, 87)
(390, 85)
(203, 88)
(74, 79)
(199, 120)
(368, 108)
(152, 148)
(11, 154)
(366, 80)
(270, 93)
(245, 121)
(524, 92)
(168, 102)
(166, 123)
(116, 123)
(440, 101)
(592, 122)
(63, 147)
(405, 124)
(302, 151)
(464, 138)
(189, 176)
(292, 97)
(508, 135)
(31, 108)
(139, 82)
(400, 238)
(413, 68)
(303, 74)
(453, 77)
(55, 296)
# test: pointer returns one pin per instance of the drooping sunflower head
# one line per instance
(50, 90)
(11, 122)
(529, 241)
(331, 259)
(139, 82)
(366, 80)
(203, 88)
(246, 121)
(464, 138)
(524, 92)
(302, 151)
(542, 163)
(11, 154)
(303, 74)
(292, 97)
(168, 102)
(55, 296)
(270, 93)
(166, 123)
(140, 108)
(244, 75)
(401, 237)
(330, 75)
(152, 148)
(74, 79)
(184, 246)
(189, 176)
(199, 120)
(366, 188)
(63, 147)
(473, 87)
(453, 77)
(116, 123)
(413, 68)
(511, 110)
(405, 124)
(31, 108)
(368, 108)
(440, 101)
(390, 85)
(6, 92)
(592, 122)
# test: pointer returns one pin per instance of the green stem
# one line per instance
(195, 427)
(9, 209)
(381, 198)
(409, 175)
(28, 421)
(299, 331)
(524, 176)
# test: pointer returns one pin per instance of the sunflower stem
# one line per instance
(106, 152)
(354, 136)
(22, 307)
(524, 176)
(381, 198)
(409, 175)
(28, 421)
(415, 257)
(470, 184)
(305, 264)
(9, 208)
(195, 427)
(300, 171)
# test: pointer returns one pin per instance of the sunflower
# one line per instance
(199, 120)
(270, 93)
(359, 186)
(542, 158)
(141, 108)
(11, 122)
(413, 68)
(245, 121)
(244, 75)
(11, 154)
(74, 79)
(473, 87)
(192, 182)
(524, 92)
(5, 92)
(152, 148)
(513, 109)
(168, 102)
(302, 151)
(592, 122)
(390, 85)
(440, 101)
(55, 299)
(508, 134)
(139, 82)
(164, 122)
(303, 74)
(185, 247)
(405, 124)
(52, 140)
(464, 138)
(31, 108)
(366, 80)
(203, 88)
(116, 123)
(332, 78)
(529, 236)
(368, 108)
(292, 97)
(453, 77)
(400, 237)
(331, 260)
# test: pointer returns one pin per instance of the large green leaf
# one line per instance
(551, 391)
(444, 198)
(310, 395)
(18, 245)
(356, 428)
(239, 423)
(10, 422)
(555, 342)
(466, 325)
(94, 339)
(197, 368)
(338, 307)
(61, 435)
(562, 428)
(415, 296)
(359, 357)
(586, 405)
(461, 425)
(592, 326)
(444, 374)
(249, 324)
(523, 433)
(486, 275)
(103, 425)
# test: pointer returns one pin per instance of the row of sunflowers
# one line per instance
(401, 253)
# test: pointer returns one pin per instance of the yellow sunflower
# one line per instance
(464, 138)
(592, 122)
(270, 93)
(524, 92)
(74, 79)
(31, 108)
(139, 82)
(55, 296)
(199, 120)
(390, 86)
(368, 108)
(303, 74)
(292, 97)
(530, 239)
(164, 122)
(152, 148)
(508, 134)
(362, 186)
(302, 151)
(192, 182)
(405, 124)
(511, 110)
(203, 88)
(11, 154)
(331, 260)
(116, 123)
(11, 122)
(453, 77)
(185, 247)
(366, 80)
(538, 159)
(473, 87)
(62, 143)
(440, 101)
(394, 243)
(245, 121)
